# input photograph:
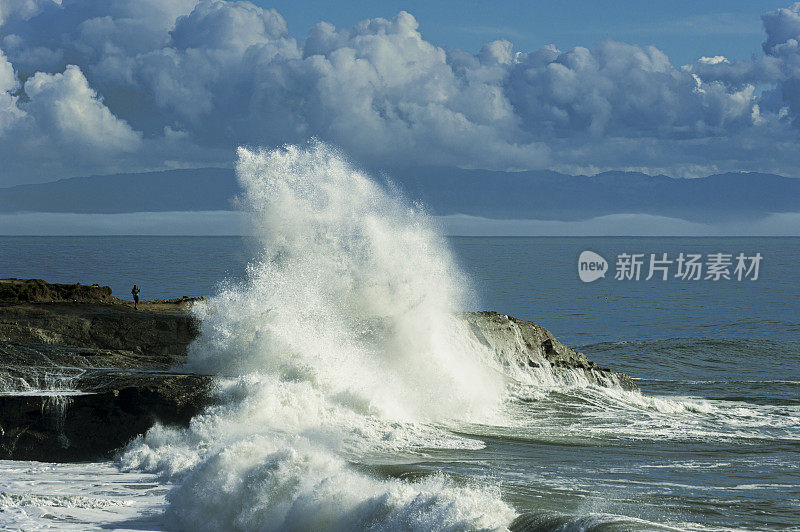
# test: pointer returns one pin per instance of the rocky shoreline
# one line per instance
(82, 372)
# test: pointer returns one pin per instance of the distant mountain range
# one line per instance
(542, 195)
(547, 195)
(202, 189)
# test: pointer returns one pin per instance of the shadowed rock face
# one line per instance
(82, 372)
(120, 335)
(80, 378)
(90, 426)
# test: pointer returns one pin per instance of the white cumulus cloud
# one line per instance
(149, 84)
(69, 111)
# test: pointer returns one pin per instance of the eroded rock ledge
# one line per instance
(82, 372)
(530, 347)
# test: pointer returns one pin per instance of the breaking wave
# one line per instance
(344, 351)
(343, 346)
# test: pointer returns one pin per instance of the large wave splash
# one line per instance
(341, 347)
(354, 291)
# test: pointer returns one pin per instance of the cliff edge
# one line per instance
(82, 372)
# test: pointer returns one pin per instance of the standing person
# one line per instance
(135, 294)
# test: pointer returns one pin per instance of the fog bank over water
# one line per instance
(206, 223)
(780, 224)
(231, 223)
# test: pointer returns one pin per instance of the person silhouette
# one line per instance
(135, 294)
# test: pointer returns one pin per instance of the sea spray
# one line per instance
(341, 346)
(353, 291)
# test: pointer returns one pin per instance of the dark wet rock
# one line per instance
(112, 409)
(160, 333)
(82, 372)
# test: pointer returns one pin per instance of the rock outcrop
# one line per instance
(89, 423)
(529, 351)
(82, 372)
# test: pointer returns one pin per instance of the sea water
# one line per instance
(349, 396)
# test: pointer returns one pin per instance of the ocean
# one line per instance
(326, 423)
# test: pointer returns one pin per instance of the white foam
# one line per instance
(342, 346)
(354, 291)
(343, 349)
(39, 496)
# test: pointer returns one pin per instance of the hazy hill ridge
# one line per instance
(528, 195)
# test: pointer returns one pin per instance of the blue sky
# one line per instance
(685, 89)
(685, 30)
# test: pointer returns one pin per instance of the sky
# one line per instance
(684, 30)
(685, 89)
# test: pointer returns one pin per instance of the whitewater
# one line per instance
(343, 343)
(351, 394)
